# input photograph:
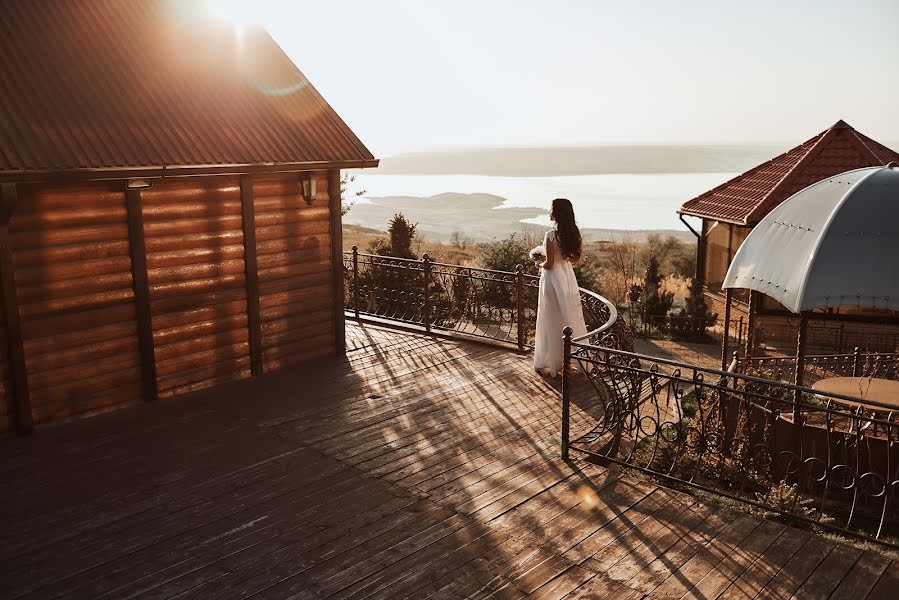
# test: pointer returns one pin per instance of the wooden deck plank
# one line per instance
(797, 570)
(766, 566)
(862, 578)
(707, 558)
(887, 586)
(412, 467)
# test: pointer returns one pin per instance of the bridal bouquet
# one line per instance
(538, 254)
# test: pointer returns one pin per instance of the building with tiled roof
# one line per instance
(171, 206)
(730, 211)
(745, 199)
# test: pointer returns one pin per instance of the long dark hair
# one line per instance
(567, 234)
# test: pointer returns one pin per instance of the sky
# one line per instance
(408, 75)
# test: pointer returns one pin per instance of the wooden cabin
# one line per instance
(170, 207)
(731, 210)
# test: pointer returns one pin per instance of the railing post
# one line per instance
(801, 341)
(426, 278)
(728, 296)
(356, 281)
(856, 361)
(519, 303)
(566, 387)
(750, 324)
(740, 332)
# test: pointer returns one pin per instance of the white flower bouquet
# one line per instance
(538, 254)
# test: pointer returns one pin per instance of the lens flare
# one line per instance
(588, 497)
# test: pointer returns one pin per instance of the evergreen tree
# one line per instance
(656, 303)
(696, 316)
(399, 243)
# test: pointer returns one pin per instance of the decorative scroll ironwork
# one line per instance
(880, 365)
(498, 305)
(827, 459)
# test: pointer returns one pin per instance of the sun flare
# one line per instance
(240, 13)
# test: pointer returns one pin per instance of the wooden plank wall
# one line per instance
(73, 279)
(73, 284)
(7, 402)
(195, 268)
(293, 254)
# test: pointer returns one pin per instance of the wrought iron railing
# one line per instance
(880, 365)
(486, 303)
(827, 459)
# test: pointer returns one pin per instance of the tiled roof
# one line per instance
(110, 84)
(747, 198)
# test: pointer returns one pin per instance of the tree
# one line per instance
(696, 316)
(399, 243)
(656, 303)
(623, 258)
(460, 240)
(589, 270)
(347, 203)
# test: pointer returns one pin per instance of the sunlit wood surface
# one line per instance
(413, 468)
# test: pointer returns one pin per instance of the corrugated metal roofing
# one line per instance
(109, 84)
(827, 245)
(747, 198)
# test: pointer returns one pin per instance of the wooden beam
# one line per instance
(334, 202)
(728, 297)
(15, 347)
(138, 250)
(251, 266)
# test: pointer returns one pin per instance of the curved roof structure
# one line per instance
(832, 244)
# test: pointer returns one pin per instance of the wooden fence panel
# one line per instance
(293, 257)
(76, 301)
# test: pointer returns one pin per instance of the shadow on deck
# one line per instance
(413, 468)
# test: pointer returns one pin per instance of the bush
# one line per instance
(696, 316)
(589, 270)
(506, 254)
(386, 290)
(656, 303)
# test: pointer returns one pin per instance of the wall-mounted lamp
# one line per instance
(137, 184)
(308, 183)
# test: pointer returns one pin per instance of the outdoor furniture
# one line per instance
(866, 389)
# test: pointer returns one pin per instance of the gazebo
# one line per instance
(828, 246)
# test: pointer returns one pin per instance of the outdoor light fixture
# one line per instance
(136, 184)
(308, 183)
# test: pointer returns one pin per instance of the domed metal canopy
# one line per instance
(834, 243)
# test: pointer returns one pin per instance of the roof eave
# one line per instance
(163, 171)
(689, 213)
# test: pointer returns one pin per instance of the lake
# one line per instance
(608, 201)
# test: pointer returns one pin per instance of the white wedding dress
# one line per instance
(558, 306)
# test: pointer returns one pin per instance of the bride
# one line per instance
(558, 302)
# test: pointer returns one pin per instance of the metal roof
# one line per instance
(832, 244)
(158, 84)
(747, 198)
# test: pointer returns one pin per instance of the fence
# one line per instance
(880, 365)
(486, 303)
(826, 459)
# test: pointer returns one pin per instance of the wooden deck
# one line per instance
(415, 468)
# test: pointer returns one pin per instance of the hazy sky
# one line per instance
(407, 74)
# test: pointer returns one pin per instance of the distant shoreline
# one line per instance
(477, 218)
(549, 161)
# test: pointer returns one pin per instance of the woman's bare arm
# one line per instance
(550, 245)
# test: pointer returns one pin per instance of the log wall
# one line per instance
(74, 290)
(195, 271)
(76, 298)
(7, 402)
(293, 255)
